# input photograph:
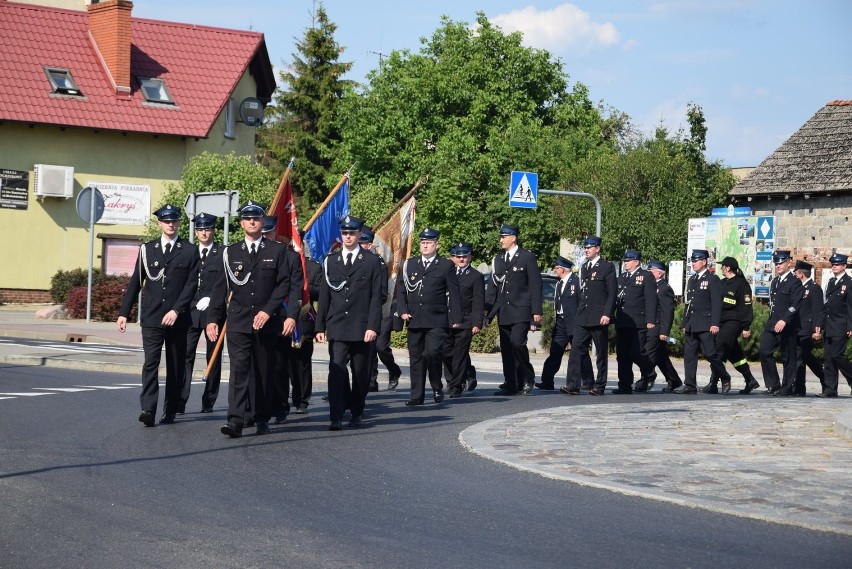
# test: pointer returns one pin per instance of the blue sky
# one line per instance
(759, 68)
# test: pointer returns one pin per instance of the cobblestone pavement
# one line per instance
(758, 457)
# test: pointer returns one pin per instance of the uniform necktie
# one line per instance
(426, 263)
(458, 272)
(348, 260)
(508, 257)
(253, 251)
(168, 249)
(204, 255)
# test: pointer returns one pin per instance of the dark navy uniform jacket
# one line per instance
(838, 307)
(315, 278)
(637, 299)
(810, 314)
(665, 308)
(274, 275)
(785, 299)
(568, 301)
(472, 290)
(430, 295)
(516, 294)
(703, 303)
(350, 301)
(598, 292)
(166, 284)
(209, 271)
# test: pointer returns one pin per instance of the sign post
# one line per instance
(90, 208)
(523, 193)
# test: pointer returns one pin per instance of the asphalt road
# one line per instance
(83, 484)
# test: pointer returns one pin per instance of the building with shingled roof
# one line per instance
(92, 96)
(807, 184)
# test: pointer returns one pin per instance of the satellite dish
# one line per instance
(251, 111)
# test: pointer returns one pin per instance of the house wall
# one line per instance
(216, 142)
(812, 229)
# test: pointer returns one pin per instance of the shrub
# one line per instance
(107, 297)
(483, 343)
(63, 281)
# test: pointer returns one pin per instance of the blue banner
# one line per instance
(324, 234)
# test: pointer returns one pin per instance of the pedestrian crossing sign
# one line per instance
(523, 190)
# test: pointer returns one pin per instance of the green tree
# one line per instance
(216, 173)
(301, 123)
(648, 191)
(471, 107)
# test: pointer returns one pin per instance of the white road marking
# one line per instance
(26, 394)
(65, 389)
(107, 386)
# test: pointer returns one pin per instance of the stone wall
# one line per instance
(812, 229)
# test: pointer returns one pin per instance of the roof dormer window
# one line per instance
(155, 90)
(62, 82)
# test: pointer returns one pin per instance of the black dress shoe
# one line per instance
(335, 425)
(262, 429)
(167, 419)
(726, 387)
(232, 430)
(181, 410)
(207, 409)
(649, 385)
(771, 390)
(565, 390)
(528, 389)
(471, 384)
(279, 419)
(393, 383)
(374, 387)
(355, 422)
(685, 390)
(711, 388)
(671, 388)
(751, 385)
(147, 418)
(455, 394)
(302, 410)
(506, 392)
(545, 386)
(823, 395)
(622, 391)
(438, 395)
(597, 392)
(412, 402)
(324, 397)
(782, 393)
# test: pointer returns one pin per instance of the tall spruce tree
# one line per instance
(301, 123)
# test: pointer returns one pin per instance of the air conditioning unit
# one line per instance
(53, 181)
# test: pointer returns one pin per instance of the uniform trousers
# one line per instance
(560, 340)
(807, 358)
(836, 362)
(384, 353)
(786, 342)
(153, 341)
(211, 385)
(631, 347)
(729, 349)
(664, 362)
(342, 394)
(425, 346)
(692, 341)
(301, 371)
(517, 369)
(457, 357)
(279, 401)
(585, 336)
(252, 375)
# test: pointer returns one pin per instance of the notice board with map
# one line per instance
(749, 239)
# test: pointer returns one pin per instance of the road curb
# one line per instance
(81, 365)
(843, 424)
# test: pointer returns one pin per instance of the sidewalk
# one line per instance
(783, 460)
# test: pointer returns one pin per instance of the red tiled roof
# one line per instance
(200, 66)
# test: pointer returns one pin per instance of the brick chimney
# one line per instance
(109, 28)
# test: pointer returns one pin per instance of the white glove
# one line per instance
(203, 303)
